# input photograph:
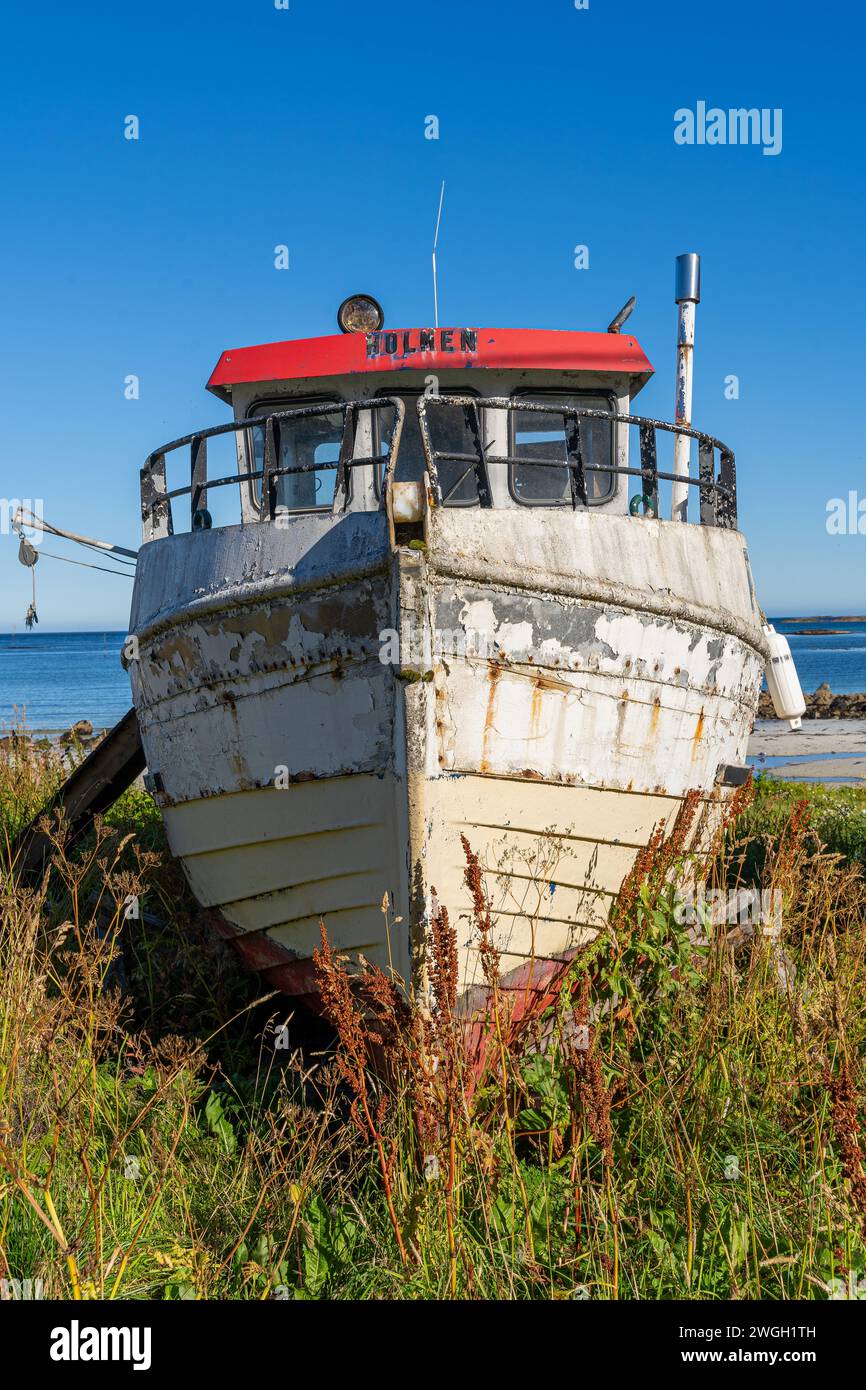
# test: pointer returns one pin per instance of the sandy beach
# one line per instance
(825, 750)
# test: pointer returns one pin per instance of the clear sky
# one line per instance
(261, 126)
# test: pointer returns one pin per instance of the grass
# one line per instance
(837, 815)
(683, 1119)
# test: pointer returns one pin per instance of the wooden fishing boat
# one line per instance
(447, 608)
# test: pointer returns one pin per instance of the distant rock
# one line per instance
(15, 740)
(822, 705)
(80, 732)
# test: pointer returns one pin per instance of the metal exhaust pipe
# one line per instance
(688, 296)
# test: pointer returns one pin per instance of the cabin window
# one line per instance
(449, 433)
(308, 443)
(537, 435)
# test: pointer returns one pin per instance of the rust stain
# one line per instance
(535, 709)
(621, 712)
(654, 717)
(493, 674)
(698, 735)
(542, 682)
(548, 683)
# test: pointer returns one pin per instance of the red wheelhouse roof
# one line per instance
(432, 349)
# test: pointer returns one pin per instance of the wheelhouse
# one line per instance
(458, 418)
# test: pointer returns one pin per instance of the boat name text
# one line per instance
(406, 342)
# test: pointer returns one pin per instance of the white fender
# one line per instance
(783, 682)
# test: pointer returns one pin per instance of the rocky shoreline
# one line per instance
(822, 705)
(81, 735)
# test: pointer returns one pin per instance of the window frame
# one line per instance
(527, 393)
(416, 394)
(274, 407)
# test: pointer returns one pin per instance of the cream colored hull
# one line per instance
(280, 861)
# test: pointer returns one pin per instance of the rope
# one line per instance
(31, 617)
(118, 559)
(85, 564)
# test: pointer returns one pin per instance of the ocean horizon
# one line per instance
(48, 680)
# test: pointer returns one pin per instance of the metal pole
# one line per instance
(37, 523)
(688, 296)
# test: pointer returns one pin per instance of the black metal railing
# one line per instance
(156, 497)
(717, 491)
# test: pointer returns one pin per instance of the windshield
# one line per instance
(308, 444)
(450, 433)
(312, 444)
(539, 435)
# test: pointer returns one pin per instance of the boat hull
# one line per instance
(328, 726)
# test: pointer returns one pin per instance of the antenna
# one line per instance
(435, 244)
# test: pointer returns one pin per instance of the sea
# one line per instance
(48, 680)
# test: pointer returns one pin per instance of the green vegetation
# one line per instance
(837, 815)
(682, 1118)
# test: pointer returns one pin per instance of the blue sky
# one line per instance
(306, 127)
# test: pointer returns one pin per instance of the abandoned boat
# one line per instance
(435, 597)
